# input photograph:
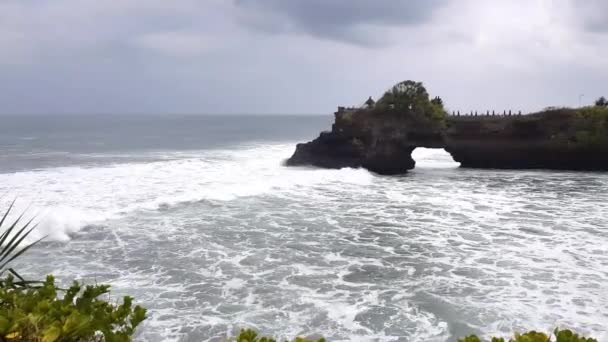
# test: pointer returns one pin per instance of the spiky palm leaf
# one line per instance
(12, 240)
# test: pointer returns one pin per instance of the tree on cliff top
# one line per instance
(411, 96)
(437, 101)
(406, 94)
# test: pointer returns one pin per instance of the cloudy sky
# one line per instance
(296, 56)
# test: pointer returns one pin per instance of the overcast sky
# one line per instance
(296, 56)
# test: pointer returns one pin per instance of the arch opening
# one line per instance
(433, 158)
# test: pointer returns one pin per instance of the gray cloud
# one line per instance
(593, 14)
(193, 56)
(351, 21)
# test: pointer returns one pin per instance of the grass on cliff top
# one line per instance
(592, 126)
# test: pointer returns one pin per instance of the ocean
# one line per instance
(198, 219)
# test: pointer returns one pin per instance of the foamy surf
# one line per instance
(213, 241)
(65, 199)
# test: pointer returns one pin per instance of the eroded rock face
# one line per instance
(545, 140)
(382, 141)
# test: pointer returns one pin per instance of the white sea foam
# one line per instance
(68, 198)
(212, 241)
(433, 158)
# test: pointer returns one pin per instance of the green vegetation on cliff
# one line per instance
(413, 97)
(592, 126)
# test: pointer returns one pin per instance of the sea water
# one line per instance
(198, 219)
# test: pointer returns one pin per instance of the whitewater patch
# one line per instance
(433, 158)
(65, 199)
(214, 241)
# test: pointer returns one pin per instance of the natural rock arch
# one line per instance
(382, 138)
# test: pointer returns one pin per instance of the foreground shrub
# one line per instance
(252, 336)
(534, 336)
(38, 314)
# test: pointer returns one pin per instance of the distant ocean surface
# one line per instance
(196, 217)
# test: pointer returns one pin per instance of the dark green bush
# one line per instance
(592, 126)
(412, 96)
(534, 336)
(39, 314)
(248, 335)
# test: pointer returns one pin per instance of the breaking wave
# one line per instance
(216, 240)
(65, 199)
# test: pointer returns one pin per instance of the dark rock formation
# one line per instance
(382, 139)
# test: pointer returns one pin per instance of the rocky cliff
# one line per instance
(381, 141)
(382, 138)
(563, 139)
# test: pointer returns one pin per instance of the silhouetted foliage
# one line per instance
(601, 102)
(370, 103)
(437, 101)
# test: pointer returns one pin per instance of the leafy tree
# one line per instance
(601, 102)
(412, 97)
(437, 101)
(405, 95)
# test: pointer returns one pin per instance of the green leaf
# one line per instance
(5, 324)
(51, 334)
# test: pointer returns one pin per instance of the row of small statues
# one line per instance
(505, 113)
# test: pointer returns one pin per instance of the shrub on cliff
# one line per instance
(412, 96)
(592, 126)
